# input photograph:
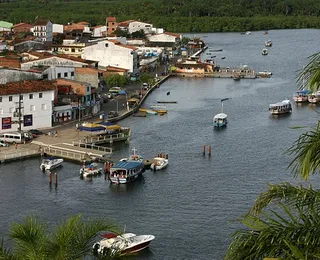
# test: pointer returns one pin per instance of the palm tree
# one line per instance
(284, 222)
(72, 239)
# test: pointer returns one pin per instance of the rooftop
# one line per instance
(26, 86)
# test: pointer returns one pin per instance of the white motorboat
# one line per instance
(314, 98)
(159, 163)
(268, 43)
(90, 170)
(283, 107)
(127, 243)
(50, 163)
(264, 51)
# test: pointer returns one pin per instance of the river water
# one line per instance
(191, 205)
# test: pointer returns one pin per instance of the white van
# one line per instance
(12, 137)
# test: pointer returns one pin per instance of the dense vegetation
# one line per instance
(173, 15)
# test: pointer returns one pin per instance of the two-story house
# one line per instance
(75, 99)
(132, 26)
(42, 29)
(61, 66)
(166, 39)
(32, 98)
(112, 53)
(69, 47)
(111, 23)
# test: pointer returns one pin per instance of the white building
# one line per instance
(165, 39)
(42, 30)
(36, 105)
(57, 28)
(137, 26)
(59, 65)
(112, 53)
(99, 31)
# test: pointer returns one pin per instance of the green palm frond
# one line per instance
(288, 194)
(309, 76)
(28, 238)
(306, 151)
(74, 238)
(289, 233)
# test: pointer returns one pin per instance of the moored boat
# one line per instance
(264, 74)
(268, 43)
(301, 96)
(127, 169)
(264, 51)
(236, 77)
(50, 163)
(90, 170)
(159, 109)
(314, 98)
(119, 245)
(148, 111)
(220, 120)
(160, 162)
(283, 107)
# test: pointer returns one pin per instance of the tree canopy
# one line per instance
(172, 15)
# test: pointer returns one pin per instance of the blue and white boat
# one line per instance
(127, 169)
(220, 120)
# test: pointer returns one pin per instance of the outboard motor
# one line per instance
(43, 168)
(96, 247)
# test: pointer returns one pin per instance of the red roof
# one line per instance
(20, 24)
(26, 86)
(172, 34)
(116, 42)
(125, 23)
(111, 19)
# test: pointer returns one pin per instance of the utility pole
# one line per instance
(19, 112)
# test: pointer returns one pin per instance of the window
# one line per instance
(73, 50)
(72, 74)
(32, 108)
(30, 96)
(10, 98)
(106, 44)
(40, 95)
(59, 75)
(44, 106)
(88, 89)
(66, 74)
(0, 99)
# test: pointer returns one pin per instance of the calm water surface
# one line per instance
(189, 206)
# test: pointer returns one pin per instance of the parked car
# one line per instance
(112, 114)
(110, 95)
(114, 90)
(35, 132)
(145, 86)
(3, 144)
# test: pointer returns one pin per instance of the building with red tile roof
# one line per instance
(36, 103)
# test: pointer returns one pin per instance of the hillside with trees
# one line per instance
(173, 15)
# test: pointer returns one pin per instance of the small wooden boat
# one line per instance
(159, 109)
(148, 111)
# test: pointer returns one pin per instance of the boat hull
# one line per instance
(51, 166)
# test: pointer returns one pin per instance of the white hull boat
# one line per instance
(50, 163)
(125, 244)
(220, 120)
(283, 107)
(159, 163)
(127, 169)
(90, 170)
